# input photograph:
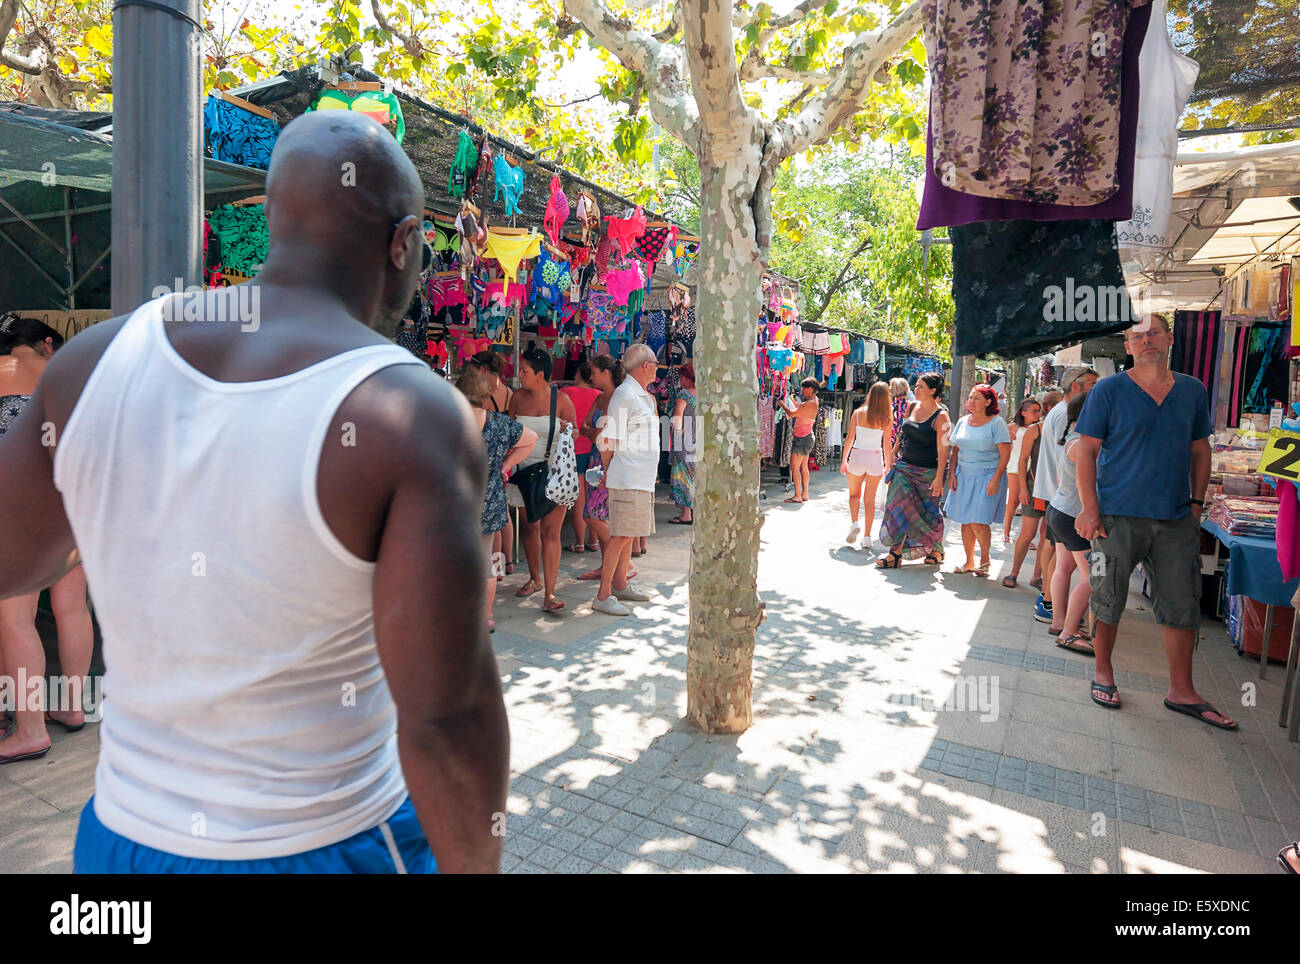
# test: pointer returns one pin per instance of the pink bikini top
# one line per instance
(620, 284)
(557, 210)
(625, 231)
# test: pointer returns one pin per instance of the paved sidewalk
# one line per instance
(853, 762)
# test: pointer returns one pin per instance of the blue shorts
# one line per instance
(101, 851)
(583, 459)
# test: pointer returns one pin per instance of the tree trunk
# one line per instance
(725, 610)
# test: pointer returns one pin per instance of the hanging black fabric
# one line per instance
(1022, 287)
(1196, 346)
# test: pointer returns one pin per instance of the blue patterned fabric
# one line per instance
(238, 136)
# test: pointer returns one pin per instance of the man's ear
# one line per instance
(400, 248)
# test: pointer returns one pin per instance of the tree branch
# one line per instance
(412, 45)
(840, 279)
(31, 63)
(711, 56)
(658, 63)
(754, 57)
(674, 26)
(843, 97)
(764, 71)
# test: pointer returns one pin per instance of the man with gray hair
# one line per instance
(629, 453)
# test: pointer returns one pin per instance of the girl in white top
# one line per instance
(1029, 413)
(866, 458)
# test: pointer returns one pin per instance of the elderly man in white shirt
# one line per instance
(629, 452)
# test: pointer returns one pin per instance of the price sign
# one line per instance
(1281, 458)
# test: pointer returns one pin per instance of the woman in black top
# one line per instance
(913, 522)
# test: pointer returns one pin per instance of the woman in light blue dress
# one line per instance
(980, 447)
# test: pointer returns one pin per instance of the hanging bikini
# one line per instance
(382, 106)
(557, 210)
(625, 231)
(462, 165)
(510, 249)
(509, 184)
(588, 215)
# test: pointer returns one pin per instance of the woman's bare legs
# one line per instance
(968, 544)
(870, 486)
(1013, 500)
(1062, 570)
(23, 657)
(76, 641)
(1038, 553)
(1028, 527)
(1079, 596)
(855, 497)
(551, 525)
(533, 548)
(579, 523)
(488, 542)
(799, 476)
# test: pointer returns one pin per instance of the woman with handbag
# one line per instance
(538, 405)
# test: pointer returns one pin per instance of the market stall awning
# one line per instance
(55, 209)
(1230, 210)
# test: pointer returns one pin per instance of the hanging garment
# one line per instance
(588, 215)
(557, 210)
(871, 354)
(413, 333)
(551, 280)
(655, 329)
(650, 245)
(244, 237)
(211, 256)
(942, 206)
(766, 428)
(1266, 371)
(819, 436)
(1235, 370)
(462, 165)
(1167, 81)
(787, 442)
(1022, 286)
(510, 249)
(1025, 97)
(684, 254)
(624, 231)
(445, 292)
(621, 284)
(236, 135)
(383, 107)
(1196, 340)
(509, 184)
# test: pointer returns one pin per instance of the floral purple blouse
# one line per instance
(1025, 98)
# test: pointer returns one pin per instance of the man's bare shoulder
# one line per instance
(71, 367)
(413, 410)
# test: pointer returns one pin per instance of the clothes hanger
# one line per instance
(230, 98)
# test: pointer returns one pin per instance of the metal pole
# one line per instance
(67, 249)
(157, 149)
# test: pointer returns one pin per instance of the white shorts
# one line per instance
(866, 462)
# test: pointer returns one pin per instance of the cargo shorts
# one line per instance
(1170, 551)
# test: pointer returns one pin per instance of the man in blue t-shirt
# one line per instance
(1143, 466)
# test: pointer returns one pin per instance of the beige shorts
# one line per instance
(631, 512)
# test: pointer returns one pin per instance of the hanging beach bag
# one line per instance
(562, 481)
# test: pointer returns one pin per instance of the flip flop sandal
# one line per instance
(510, 568)
(591, 576)
(575, 548)
(71, 729)
(528, 588)
(681, 522)
(1010, 582)
(1198, 711)
(595, 548)
(1036, 584)
(934, 559)
(35, 755)
(981, 572)
(1076, 644)
(891, 561)
(554, 605)
(1108, 690)
(1281, 857)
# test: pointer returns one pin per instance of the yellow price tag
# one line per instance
(1281, 456)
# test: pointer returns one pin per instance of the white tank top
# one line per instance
(246, 713)
(1013, 464)
(868, 439)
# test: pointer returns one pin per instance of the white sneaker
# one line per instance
(632, 593)
(855, 530)
(610, 607)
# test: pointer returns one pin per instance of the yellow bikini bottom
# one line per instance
(510, 249)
